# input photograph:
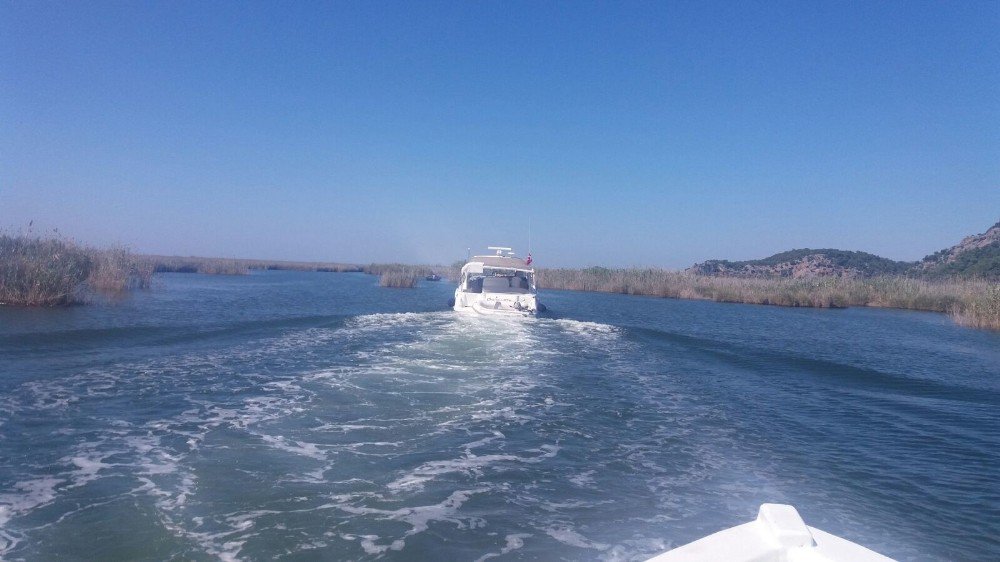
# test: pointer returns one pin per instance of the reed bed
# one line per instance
(397, 279)
(981, 311)
(971, 302)
(51, 271)
(398, 275)
(210, 266)
(224, 266)
(117, 269)
(398, 268)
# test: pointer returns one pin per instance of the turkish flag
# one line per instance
(528, 261)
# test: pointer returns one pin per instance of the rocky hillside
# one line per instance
(805, 263)
(975, 256)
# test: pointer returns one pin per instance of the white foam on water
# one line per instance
(345, 427)
(302, 448)
(483, 442)
(297, 340)
(27, 495)
(584, 479)
(636, 549)
(514, 541)
(469, 465)
(487, 371)
(566, 535)
(590, 333)
(383, 321)
(367, 543)
(89, 465)
(420, 517)
(171, 499)
(582, 326)
(50, 395)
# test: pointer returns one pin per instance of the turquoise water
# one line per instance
(320, 417)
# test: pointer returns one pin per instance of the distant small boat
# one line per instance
(498, 284)
(778, 534)
(433, 277)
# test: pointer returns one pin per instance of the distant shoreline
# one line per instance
(240, 266)
(55, 272)
(969, 302)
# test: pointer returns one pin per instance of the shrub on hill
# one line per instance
(868, 265)
(979, 262)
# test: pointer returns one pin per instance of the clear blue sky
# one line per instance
(652, 133)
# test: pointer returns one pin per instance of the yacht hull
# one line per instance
(497, 285)
(496, 304)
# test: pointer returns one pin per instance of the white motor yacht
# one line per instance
(777, 535)
(501, 283)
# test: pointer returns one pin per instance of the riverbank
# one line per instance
(970, 302)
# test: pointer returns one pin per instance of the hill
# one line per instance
(975, 256)
(805, 263)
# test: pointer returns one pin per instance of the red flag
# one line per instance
(528, 261)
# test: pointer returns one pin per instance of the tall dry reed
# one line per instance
(51, 271)
(397, 279)
(118, 269)
(980, 311)
(41, 271)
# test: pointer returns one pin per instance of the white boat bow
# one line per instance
(779, 535)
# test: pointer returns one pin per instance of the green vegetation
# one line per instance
(36, 271)
(975, 256)
(976, 262)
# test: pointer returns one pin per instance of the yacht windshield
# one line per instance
(517, 282)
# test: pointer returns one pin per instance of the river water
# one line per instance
(317, 416)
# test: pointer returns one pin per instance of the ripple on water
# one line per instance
(518, 437)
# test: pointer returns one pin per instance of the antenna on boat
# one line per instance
(529, 236)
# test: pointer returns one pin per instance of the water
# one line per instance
(318, 416)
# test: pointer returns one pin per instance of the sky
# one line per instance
(625, 133)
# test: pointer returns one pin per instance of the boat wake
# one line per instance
(352, 428)
(383, 435)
